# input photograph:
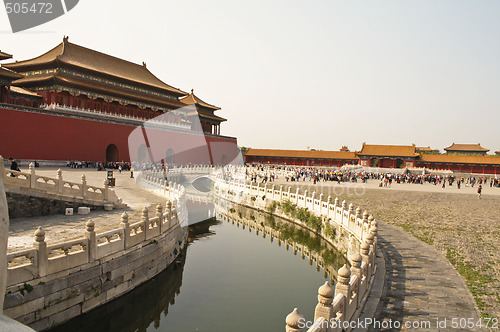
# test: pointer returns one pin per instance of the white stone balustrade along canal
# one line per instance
(175, 193)
(344, 302)
(58, 187)
(51, 283)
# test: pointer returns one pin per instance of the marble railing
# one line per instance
(43, 260)
(57, 186)
(337, 305)
(173, 192)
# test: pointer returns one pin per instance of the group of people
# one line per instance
(265, 173)
(100, 165)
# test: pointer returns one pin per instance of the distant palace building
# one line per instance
(388, 156)
(385, 156)
(74, 103)
(466, 149)
(302, 158)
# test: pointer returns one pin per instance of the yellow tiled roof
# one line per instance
(388, 150)
(344, 155)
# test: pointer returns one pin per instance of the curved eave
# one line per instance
(191, 99)
(5, 56)
(9, 74)
(212, 117)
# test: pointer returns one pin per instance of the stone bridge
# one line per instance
(30, 194)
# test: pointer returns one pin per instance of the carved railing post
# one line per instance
(169, 214)
(293, 321)
(321, 203)
(159, 215)
(32, 176)
(365, 256)
(297, 196)
(84, 186)
(59, 181)
(281, 193)
(90, 234)
(369, 240)
(364, 222)
(342, 287)
(106, 190)
(126, 229)
(145, 221)
(324, 307)
(41, 246)
(344, 203)
(350, 213)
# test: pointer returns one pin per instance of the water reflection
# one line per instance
(302, 241)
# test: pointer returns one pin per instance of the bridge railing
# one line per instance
(57, 186)
(175, 193)
(344, 302)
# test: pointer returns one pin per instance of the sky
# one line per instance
(299, 74)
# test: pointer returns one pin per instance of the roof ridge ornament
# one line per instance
(65, 39)
(144, 64)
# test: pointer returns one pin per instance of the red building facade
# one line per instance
(73, 103)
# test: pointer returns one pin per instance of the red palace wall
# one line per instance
(29, 135)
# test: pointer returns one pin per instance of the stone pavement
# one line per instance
(421, 286)
(59, 228)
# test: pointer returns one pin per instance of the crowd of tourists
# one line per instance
(269, 173)
(100, 165)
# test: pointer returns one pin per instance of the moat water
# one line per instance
(228, 279)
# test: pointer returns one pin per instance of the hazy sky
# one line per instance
(296, 74)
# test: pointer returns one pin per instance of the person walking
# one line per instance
(13, 166)
(479, 189)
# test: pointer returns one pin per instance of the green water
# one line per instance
(231, 280)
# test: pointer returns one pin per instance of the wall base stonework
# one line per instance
(24, 204)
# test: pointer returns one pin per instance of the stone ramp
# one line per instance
(421, 286)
